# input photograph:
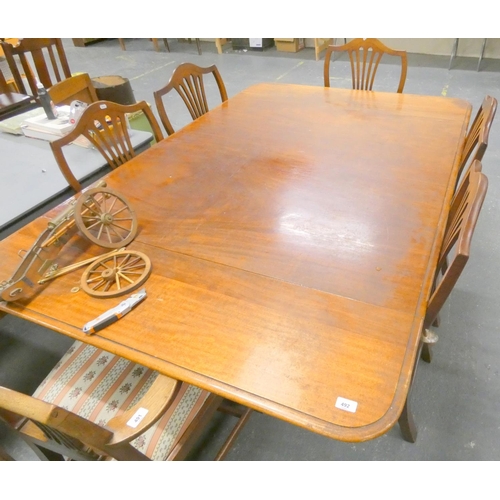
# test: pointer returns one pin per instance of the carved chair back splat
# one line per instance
(365, 55)
(105, 125)
(187, 80)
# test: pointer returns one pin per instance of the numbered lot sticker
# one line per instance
(346, 404)
(138, 416)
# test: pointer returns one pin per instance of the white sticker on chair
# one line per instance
(346, 404)
(138, 416)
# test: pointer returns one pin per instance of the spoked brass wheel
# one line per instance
(105, 218)
(116, 274)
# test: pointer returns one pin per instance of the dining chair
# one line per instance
(77, 87)
(476, 141)
(104, 124)
(187, 80)
(95, 405)
(453, 257)
(48, 58)
(365, 55)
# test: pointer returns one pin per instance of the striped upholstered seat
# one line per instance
(98, 386)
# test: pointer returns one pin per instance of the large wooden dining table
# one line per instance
(293, 233)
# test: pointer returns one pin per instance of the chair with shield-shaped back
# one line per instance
(365, 55)
(187, 80)
(105, 126)
(476, 141)
(455, 251)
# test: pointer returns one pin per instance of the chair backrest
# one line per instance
(77, 87)
(365, 55)
(48, 58)
(476, 141)
(462, 218)
(4, 88)
(105, 125)
(187, 80)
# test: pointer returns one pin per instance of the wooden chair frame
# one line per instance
(462, 219)
(321, 44)
(187, 80)
(105, 125)
(36, 46)
(54, 433)
(78, 87)
(364, 67)
(476, 141)
(4, 87)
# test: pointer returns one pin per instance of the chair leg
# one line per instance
(122, 43)
(165, 42)
(426, 354)
(428, 339)
(407, 423)
(453, 52)
(481, 55)
(198, 46)
(234, 434)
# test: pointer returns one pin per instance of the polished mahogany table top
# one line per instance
(293, 233)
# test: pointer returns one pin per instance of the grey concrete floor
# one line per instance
(456, 398)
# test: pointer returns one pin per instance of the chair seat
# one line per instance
(98, 386)
(13, 99)
(12, 103)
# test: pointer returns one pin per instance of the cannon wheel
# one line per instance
(106, 218)
(116, 274)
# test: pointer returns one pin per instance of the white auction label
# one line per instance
(346, 404)
(138, 416)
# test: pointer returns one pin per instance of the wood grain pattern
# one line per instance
(77, 87)
(292, 259)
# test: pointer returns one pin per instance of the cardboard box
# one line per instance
(258, 44)
(289, 44)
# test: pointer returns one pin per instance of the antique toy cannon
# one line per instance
(105, 218)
